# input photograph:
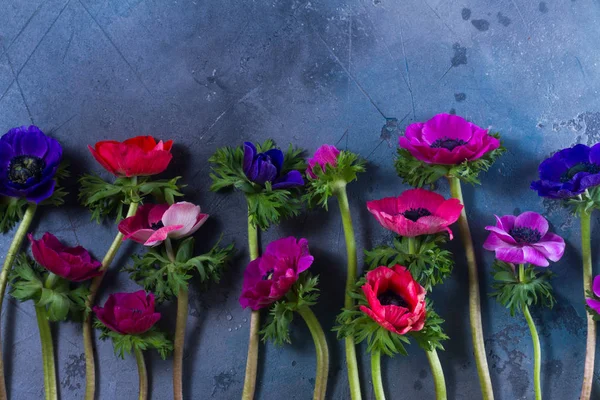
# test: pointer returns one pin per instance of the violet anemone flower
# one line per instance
(325, 155)
(569, 172)
(29, 161)
(269, 277)
(416, 212)
(524, 239)
(267, 167)
(447, 139)
(155, 223)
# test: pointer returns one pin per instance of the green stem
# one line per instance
(438, 375)
(139, 358)
(434, 362)
(411, 245)
(322, 352)
(351, 363)
(180, 324)
(12, 252)
(537, 354)
(50, 387)
(474, 300)
(590, 348)
(88, 343)
(252, 360)
(376, 375)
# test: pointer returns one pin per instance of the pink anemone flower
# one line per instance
(416, 212)
(326, 154)
(447, 139)
(154, 223)
(524, 239)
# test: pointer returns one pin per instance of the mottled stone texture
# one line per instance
(215, 73)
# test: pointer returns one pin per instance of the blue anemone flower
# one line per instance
(569, 172)
(266, 167)
(28, 160)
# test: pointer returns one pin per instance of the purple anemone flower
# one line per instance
(524, 239)
(29, 161)
(569, 172)
(266, 167)
(594, 303)
(269, 277)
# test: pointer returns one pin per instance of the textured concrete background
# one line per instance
(214, 73)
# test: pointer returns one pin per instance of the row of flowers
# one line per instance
(387, 306)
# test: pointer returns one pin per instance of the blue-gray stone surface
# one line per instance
(215, 73)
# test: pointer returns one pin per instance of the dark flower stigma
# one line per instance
(23, 168)
(415, 213)
(157, 225)
(389, 298)
(525, 235)
(268, 275)
(581, 167)
(447, 143)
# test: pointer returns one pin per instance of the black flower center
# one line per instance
(415, 213)
(157, 225)
(389, 298)
(268, 275)
(22, 168)
(136, 311)
(581, 167)
(525, 235)
(447, 143)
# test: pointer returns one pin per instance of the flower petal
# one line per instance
(551, 246)
(532, 220)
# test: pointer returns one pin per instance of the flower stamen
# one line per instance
(24, 167)
(525, 235)
(415, 213)
(390, 298)
(447, 143)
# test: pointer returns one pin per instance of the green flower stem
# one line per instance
(376, 375)
(438, 375)
(88, 342)
(180, 324)
(13, 250)
(50, 386)
(474, 300)
(351, 363)
(322, 352)
(139, 358)
(252, 360)
(590, 348)
(439, 381)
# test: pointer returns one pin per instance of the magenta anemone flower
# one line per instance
(154, 223)
(524, 239)
(416, 212)
(128, 313)
(326, 154)
(594, 304)
(447, 139)
(269, 277)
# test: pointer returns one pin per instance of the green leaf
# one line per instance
(12, 210)
(26, 281)
(156, 273)
(430, 265)
(431, 336)
(125, 344)
(59, 194)
(418, 173)
(321, 188)
(185, 250)
(58, 304)
(304, 293)
(105, 199)
(516, 294)
(265, 205)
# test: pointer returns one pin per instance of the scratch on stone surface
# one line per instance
(581, 68)
(337, 60)
(139, 78)
(20, 89)
(408, 83)
(23, 28)
(74, 371)
(520, 13)
(68, 44)
(64, 123)
(7, 89)
(45, 34)
(376, 147)
(14, 344)
(439, 17)
(349, 69)
(341, 137)
(73, 229)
